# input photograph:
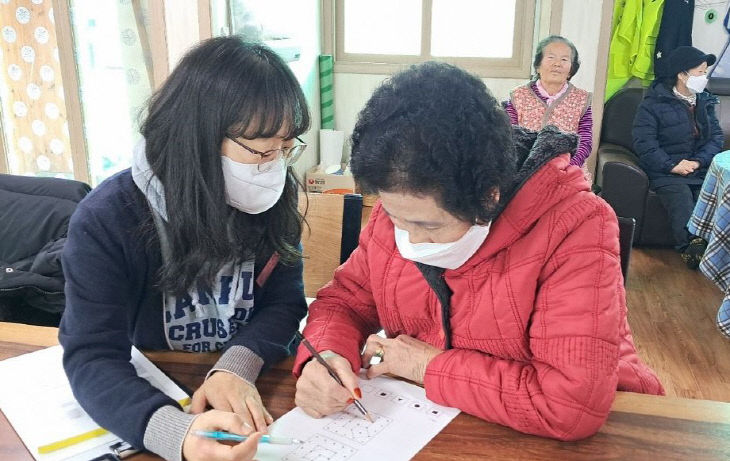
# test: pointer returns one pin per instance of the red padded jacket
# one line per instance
(538, 314)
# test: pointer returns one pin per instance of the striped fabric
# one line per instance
(711, 221)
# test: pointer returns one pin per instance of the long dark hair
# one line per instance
(224, 85)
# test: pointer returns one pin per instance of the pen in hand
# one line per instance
(331, 372)
(230, 437)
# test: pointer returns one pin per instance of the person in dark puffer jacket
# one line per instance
(676, 134)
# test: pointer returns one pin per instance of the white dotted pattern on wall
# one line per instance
(15, 72)
(38, 127)
(47, 73)
(44, 163)
(20, 109)
(31, 90)
(56, 146)
(34, 91)
(51, 110)
(9, 34)
(25, 144)
(22, 14)
(41, 36)
(27, 53)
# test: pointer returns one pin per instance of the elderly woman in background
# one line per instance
(550, 98)
(676, 134)
(490, 265)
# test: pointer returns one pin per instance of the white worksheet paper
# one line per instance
(404, 422)
(36, 398)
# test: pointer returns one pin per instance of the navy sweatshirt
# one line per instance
(112, 303)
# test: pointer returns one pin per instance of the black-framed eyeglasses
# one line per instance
(267, 159)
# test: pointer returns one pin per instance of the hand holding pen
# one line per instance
(196, 447)
(324, 385)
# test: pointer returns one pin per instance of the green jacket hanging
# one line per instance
(635, 29)
(624, 37)
(643, 66)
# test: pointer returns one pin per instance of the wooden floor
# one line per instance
(672, 315)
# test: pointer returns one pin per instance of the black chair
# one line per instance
(623, 183)
(351, 223)
(626, 227)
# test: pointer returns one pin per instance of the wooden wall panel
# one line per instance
(35, 122)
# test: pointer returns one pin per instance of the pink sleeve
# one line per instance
(511, 111)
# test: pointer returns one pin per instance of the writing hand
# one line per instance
(318, 394)
(199, 448)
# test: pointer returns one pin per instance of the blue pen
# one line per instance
(228, 437)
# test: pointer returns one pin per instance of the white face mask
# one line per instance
(697, 83)
(249, 190)
(446, 255)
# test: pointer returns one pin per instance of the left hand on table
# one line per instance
(229, 392)
(403, 356)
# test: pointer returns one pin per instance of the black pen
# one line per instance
(332, 373)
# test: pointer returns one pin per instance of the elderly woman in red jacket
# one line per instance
(490, 265)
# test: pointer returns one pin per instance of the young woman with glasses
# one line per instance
(195, 248)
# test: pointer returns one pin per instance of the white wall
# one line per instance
(353, 90)
(580, 23)
(181, 28)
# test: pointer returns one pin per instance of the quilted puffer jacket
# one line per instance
(540, 339)
(663, 133)
(34, 215)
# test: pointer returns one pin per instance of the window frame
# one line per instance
(518, 66)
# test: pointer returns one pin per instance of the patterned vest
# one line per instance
(565, 112)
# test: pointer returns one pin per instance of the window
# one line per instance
(275, 23)
(111, 53)
(291, 29)
(490, 37)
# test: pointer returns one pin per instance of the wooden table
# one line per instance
(640, 427)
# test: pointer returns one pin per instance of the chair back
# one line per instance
(331, 235)
(626, 228)
(720, 87)
(618, 117)
(35, 211)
